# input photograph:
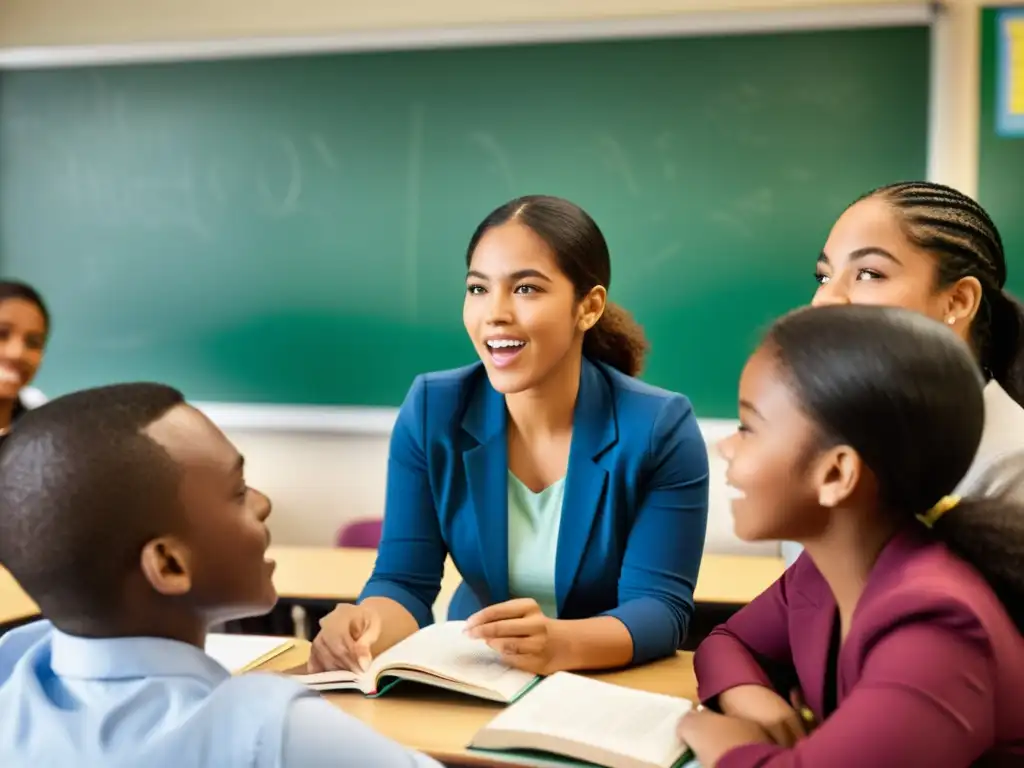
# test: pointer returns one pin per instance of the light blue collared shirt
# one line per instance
(143, 701)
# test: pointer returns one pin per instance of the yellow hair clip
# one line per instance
(943, 506)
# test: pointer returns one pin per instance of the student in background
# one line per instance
(901, 623)
(571, 496)
(125, 514)
(24, 327)
(930, 248)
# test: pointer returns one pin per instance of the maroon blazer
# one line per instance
(931, 672)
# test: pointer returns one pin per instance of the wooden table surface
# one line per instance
(338, 575)
(15, 605)
(331, 573)
(441, 724)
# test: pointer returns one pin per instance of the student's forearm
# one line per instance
(602, 642)
(396, 622)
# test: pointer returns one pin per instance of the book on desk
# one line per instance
(548, 721)
(588, 722)
(440, 655)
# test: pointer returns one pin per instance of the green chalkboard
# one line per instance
(1000, 161)
(292, 230)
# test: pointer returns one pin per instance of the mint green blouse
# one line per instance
(533, 520)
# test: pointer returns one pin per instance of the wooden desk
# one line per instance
(736, 579)
(338, 574)
(15, 605)
(442, 724)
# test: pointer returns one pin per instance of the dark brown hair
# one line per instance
(13, 289)
(906, 394)
(582, 255)
(966, 243)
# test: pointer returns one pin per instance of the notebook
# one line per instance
(572, 719)
(440, 655)
(241, 653)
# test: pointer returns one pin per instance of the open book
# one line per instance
(439, 655)
(590, 721)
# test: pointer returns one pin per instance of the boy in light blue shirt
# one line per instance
(125, 514)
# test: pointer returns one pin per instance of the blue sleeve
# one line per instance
(666, 542)
(411, 555)
(318, 735)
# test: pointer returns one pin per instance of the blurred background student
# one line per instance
(24, 328)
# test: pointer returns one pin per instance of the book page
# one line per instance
(444, 650)
(336, 680)
(237, 652)
(610, 717)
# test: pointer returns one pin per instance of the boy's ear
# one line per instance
(166, 562)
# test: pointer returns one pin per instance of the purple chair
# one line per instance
(363, 534)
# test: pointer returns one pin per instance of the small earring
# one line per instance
(951, 320)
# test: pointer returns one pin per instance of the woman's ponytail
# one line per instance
(1003, 355)
(617, 340)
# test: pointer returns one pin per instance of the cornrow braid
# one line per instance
(966, 243)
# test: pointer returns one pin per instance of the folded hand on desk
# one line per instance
(711, 735)
(346, 636)
(765, 708)
(522, 634)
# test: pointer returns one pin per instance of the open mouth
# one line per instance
(9, 375)
(734, 494)
(505, 351)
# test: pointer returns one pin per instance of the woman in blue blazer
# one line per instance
(571, 496)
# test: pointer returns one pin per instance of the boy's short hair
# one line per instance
(82, 489)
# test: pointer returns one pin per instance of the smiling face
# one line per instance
(22, 339)
(220, 567)
(521, 311)
(868, 259)
(776, 467)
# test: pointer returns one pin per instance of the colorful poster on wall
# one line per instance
(1010, 79)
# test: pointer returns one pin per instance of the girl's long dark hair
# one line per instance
(906, 394)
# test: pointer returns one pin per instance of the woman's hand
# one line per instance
(765, 708)
(711, 735)
(523, 635)
(345, 640)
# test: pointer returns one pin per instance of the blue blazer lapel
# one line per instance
(486, 468)
(594, 430)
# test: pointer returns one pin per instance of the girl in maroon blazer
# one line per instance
(895, 639)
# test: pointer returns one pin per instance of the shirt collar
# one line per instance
(123, 658)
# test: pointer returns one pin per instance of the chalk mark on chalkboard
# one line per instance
(412, 203)
(663, 256)
(490, 145)
(286, 204)
(324, 152)
(615, 158)
(183, 213)
(756, 204)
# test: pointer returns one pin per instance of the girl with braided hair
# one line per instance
(930, 248)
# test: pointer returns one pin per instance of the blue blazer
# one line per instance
(634, 512)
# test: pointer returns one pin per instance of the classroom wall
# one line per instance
(321, 480)
(73, 22)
